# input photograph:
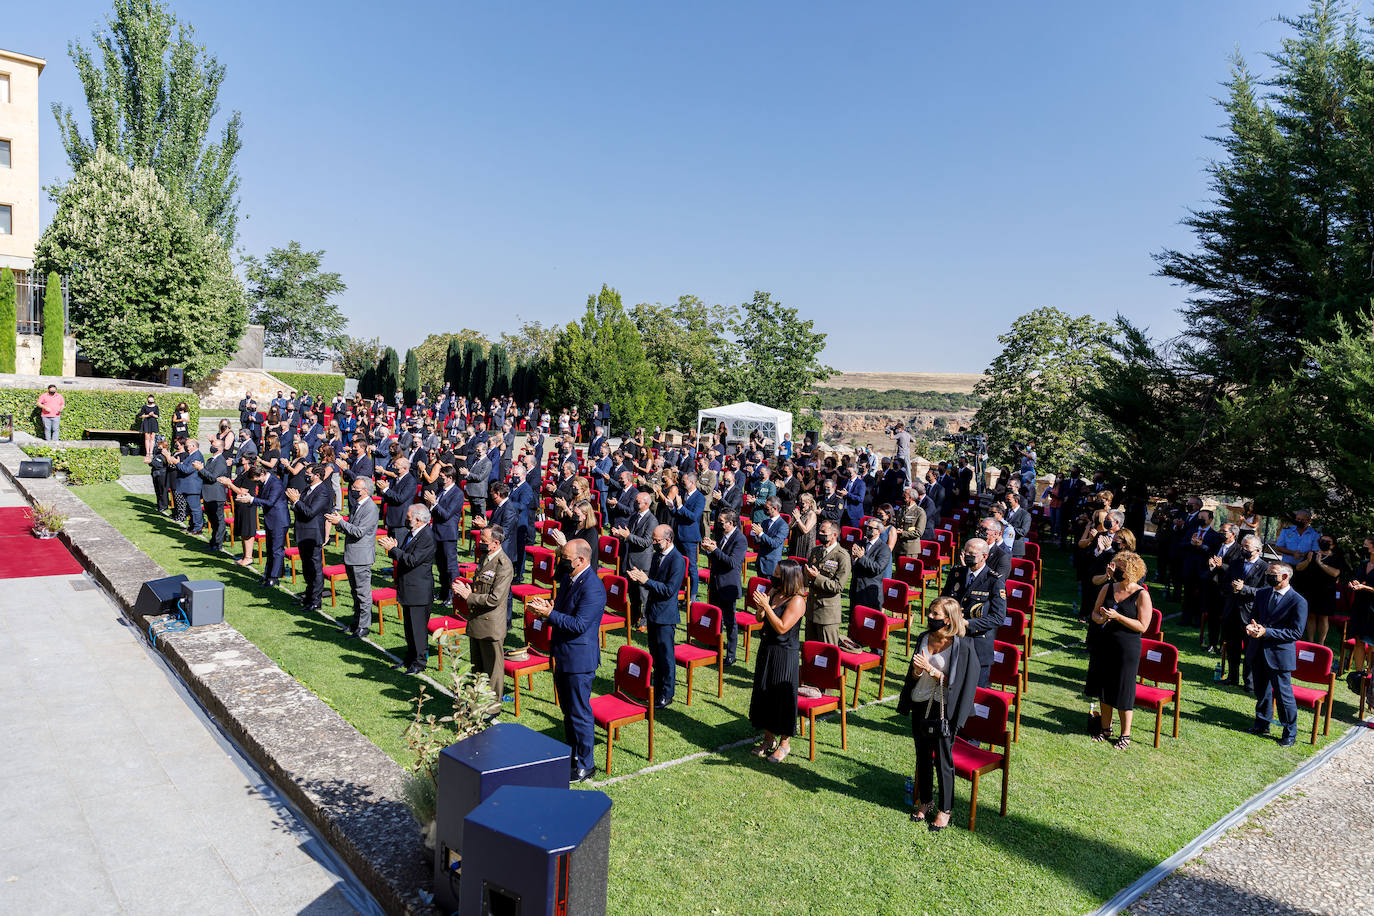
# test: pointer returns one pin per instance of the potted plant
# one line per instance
(47, 521)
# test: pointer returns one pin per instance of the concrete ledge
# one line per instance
(343, 782)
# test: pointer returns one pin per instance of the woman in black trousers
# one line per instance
(940, 685)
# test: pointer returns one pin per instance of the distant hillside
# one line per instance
(895, 399)
(958, 382)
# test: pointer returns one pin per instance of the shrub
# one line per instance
(321, 387)
(83, 465)
(87, 409)
(9, 308)
(54, 328)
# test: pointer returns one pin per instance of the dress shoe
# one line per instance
(582, 775)
(355, 634)
(730, 660)
(1261, 730)
(661, 704)
(398, 666)
(1289, 741)
(415, 669)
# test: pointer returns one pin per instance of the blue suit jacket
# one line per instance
(576, 620)
(523, 497)
(854, 501)
(1283, 618)
(272, 499)
(188, 478)
(770, 543)
(687, 520)
(446, 512)
(507, 515)
(726, 561)
(666, 575)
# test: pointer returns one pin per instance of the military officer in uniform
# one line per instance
(827, 572)
(911, 525)
(487, 598)
(983, 596)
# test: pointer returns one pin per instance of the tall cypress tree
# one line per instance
(9, 310)
(500, 370)
(412, 378)
(388, 373)
(453, 362)
(54, 327)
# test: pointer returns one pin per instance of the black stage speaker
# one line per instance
(36, 467)
(159, 596)
(537, 852)
(470, 770)
(175, 377)
(203, 602)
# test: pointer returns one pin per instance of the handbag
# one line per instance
(936, 727)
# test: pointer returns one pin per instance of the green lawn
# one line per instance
(728, 833)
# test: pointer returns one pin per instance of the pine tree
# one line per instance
(54, 327)
(9, 311)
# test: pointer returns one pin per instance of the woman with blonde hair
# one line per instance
(938, 695)
(803, 535)
(1123, 611)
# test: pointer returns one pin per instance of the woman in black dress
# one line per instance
(1123, 611)
(773, 706)
(147, 424)
(181, 422)
(245, 514)
(1362, 611)
(1324, 571)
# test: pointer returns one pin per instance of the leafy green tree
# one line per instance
(149, 285)
(152, 100)
(433, 353)
(1036, 387)
(532, 342)
(779, 356)
(472, 353)
(688, 343)
(289, 295)
(412, 378)
(9, 317)
(602, 359)
(452, 360)
(388, 373)
(54, 327)
(357, 355)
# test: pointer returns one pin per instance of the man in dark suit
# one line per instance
(1198, 547)
(871, 560)
(213, 493)
(310, 508)
(360, 551)
(188, 483)
(853, 496)
(637, 536)
(1218, 585)
(983, 596)
(525, 497)
(576, 616)
(1276, 623)
(731, 496)
(275, 519)
(1019, 518)
(965, 478)
(621, 499)
(726, 560)
(690, 504)
(397, 497)
(926, 502)
(770, 537)
(359, 466)
(999, 557)
(446, 509)
(1244, 578)
(414, 584)
(663, 581)
(505, 515)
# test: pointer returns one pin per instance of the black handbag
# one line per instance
(936, 727)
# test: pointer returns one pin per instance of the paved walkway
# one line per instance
(120, 797)
(1305, 852)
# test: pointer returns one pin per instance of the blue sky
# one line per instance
(910, 176)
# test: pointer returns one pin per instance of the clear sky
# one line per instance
(911, 176)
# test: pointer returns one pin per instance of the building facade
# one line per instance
(19, 190)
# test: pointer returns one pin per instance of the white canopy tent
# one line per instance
(742, 418)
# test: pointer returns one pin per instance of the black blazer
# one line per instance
(961, 682)
(1239, 603)
(984, 601)
(397, 499)
(866, 587)
(415, 569)
(213, 468)
(726, 561)
(309, 511)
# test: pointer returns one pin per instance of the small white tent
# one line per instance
(742, 418)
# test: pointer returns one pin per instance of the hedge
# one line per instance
(87, 409)
(83, 465)
(322, 387)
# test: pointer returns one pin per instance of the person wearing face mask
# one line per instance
(940, 685)
(1362, 612)
(1276, 623)
(983, 598)
(414, 584)
(360, 551)
(1245, 577)
(871, 558)
(1317, 583)
(1121, 612)
(662, 582)
(212, 492)
(999, 557)
(1218, 585)
(827, 572)
(773, 704)
(148, 423)
(575, 615)
(1298, 540)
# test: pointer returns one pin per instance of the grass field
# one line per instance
(728, 833)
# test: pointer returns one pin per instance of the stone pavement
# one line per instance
(120, 797)
(1305, 852)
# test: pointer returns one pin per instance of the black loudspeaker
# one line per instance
(506, 754)
(537, 852)
(176, 376)
(813, 438)
(36, 467)
(159, 596)
(203, 602)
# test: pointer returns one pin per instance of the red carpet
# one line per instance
(22, 555)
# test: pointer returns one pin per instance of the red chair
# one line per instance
(618, 600)
(632, 701)
(912, 571)
(446, 628)
(1156, 628)
(1159, 664)
(381, 597)
(1314, 667)
(291, 553)
(544, 527)
(1033, 555)
(1006, 672)
(820, 668)
(538, 643)
(705, 645)
(988, 726)
(608, 551)
(897, 607)
(868, 628)
(1013, 630)
(1023, 570)
(541, 575)
(944, 537)
(1021, 597)
(931, 560)
(1342, 605)
(745, 621)
(850, 536)
(334, 574)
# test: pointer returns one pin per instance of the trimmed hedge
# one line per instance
(83, 465)
(87, 409)
(322, 387)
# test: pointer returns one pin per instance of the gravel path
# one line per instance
(1305, 852)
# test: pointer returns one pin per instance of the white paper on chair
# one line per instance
(997, 657)
(1152, 655)
(892, 593)
(980, 710)
(704, 620)
(633, 670)
(821, 661)
(1306, 655)
(537, 624)
(615, 589)
(870, 622)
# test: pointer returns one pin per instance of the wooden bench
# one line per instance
(130, 437)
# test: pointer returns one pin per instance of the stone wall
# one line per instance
(249, 353)
(28, 354)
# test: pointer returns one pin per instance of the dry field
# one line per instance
(906, 381)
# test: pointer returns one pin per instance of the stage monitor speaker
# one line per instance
(537, 852)
(471, 770)
(36, 467)
(203, 602)
(159, 596)
(175, 377)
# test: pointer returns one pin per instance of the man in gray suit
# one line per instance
(360, 550)
(478, 475)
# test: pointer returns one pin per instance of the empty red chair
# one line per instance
(538, 636)
(944, 537)
(912, 571)
(335, 574)
(868, 628)
(1021, 597)
(444, 629)
(544, 527)
(1013, 630)
(1342, 603)
(1022, 569)
(291, 553)
(747, 623)
(1314, 667)
(1159, 665)
(617, 601)
(850, 536)
(897, 607)
(541, 574)
(608, 551)
(1156, 628)
(820, 668)
(987, 725)
(1033, 555)
(705, 645)
(381, 597)
(932, 561)
(1006, 672)
(632, 700)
